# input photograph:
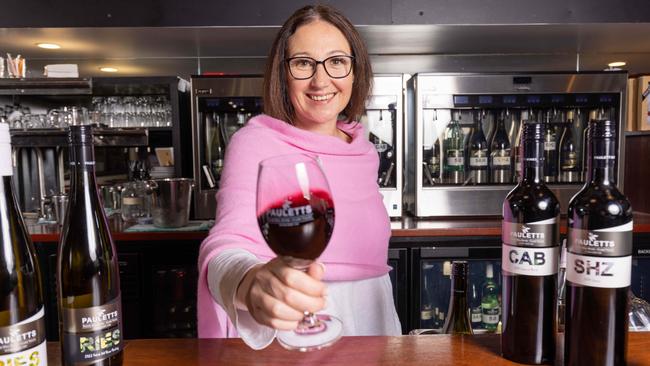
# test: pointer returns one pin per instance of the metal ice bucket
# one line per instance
(170, 201)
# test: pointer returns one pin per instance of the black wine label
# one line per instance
(537, 234)
(24, 343)
(600, 258)
(92, 334)
(600, 243)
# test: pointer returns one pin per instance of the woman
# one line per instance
(318, 69)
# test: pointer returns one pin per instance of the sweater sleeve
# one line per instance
(225, 272)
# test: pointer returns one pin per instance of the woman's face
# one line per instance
(317, 101)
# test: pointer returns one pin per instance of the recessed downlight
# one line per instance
(108, 69)
(48, 46)
(617, 64)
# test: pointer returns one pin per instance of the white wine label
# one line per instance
(426, 314)
(610, 242)
(36, 356)
(455, 161)
(92, 334)
(536, 234)
(477, 317)
(530, 261)
(478, 161)
(549, 145)
(501, 161)
(24, 343)
(491, 316)
(132, 201)
(603, 272)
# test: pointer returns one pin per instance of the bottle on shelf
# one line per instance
(478, 153)
(216, 150)
(136, 197)
(490, 306)
(88, 286)
(500, 160)
(550, 149)
(476, 317)
(457, 321)
(22, 312)
(599, 259)
(454, 166)
(530, 251)
(569, 153)
(426, 297)
(516, 144)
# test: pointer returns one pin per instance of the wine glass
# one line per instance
(295, 213)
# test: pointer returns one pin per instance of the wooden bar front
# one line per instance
(405, 350)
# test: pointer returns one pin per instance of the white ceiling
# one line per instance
(401, 48)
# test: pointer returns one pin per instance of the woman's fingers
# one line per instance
(296, 299)
(271, 312)
(299, 280)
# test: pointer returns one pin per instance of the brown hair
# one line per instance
(276, 96)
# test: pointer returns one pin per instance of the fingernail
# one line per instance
(322, 266)
(326, 291)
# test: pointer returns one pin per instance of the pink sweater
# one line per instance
(359, 244)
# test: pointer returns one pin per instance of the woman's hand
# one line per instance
(277, 295)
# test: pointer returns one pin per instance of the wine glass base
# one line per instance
(312, 340)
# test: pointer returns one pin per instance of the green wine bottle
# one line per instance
(22, 322)
(90, 314)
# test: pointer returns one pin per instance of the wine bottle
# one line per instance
(490, 306)
(530, 235)
(455, 158)
(90, 315)
(22, 322)
(457, 321)
(500, 161)
(550, 150)
(478, 155)
(569, 155)
(426, 299)
(474, 302)
(599, 259)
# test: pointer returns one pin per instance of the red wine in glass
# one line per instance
(297, 227)
(295, 213)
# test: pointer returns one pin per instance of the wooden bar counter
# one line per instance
(352, 351)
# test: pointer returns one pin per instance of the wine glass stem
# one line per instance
(310, 319)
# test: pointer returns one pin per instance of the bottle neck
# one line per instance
(82, 168)
(602, 161)
(458, 293)
(533, 160)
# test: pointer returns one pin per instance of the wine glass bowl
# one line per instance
(295, 213)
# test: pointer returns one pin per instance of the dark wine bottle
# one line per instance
(500, 161)
(550, 150)
(476, 314)
(599, 259)
(90, 315)
(478, 154)
(426, 297)
(530, 254)
(22, 322)
(457, 321)
(569, 153)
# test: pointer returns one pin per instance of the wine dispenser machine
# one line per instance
(463, 132)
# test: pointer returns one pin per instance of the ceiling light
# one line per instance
(49, 46)
(616, 64)
(108, 69)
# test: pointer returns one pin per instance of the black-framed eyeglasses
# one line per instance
(337, 67)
